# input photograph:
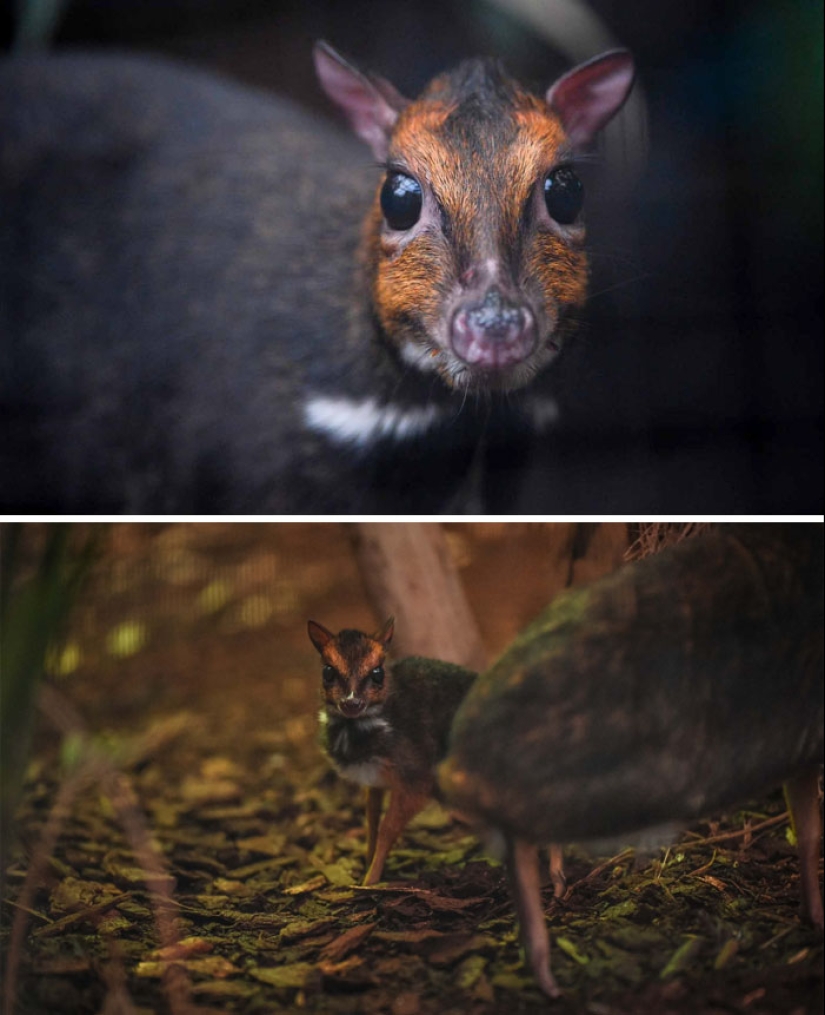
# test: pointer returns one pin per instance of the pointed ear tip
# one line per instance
(617, 64)
(623, 60)
(612, 62)
(322, 55)
(325, 57)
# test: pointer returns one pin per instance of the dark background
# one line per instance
(696, 385)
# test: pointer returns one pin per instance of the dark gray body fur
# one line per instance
(178, 274)
(419, 709)
(676, 686)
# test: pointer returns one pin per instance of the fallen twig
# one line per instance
(737, 833)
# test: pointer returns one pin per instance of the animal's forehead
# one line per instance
(482, 82)
(506, 136)
(355, 656)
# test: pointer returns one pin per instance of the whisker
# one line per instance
(618, 285)
(617, 257)
(585, 158)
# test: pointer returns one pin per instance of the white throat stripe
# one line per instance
(363, 421)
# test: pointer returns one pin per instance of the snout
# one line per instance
(351, 707)
(495, 333)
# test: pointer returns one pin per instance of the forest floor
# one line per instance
(189, 662)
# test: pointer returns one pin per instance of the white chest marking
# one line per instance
(369, 772)
(366, 773)
(373, 722)
(362, 421)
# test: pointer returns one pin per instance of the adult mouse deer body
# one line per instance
(681, 684)
(211, 300)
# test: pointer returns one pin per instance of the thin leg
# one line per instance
(557, 875)
(525, 886)
(375, 799)
(404, 805)
(802, 794)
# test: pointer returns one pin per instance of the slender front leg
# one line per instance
(525, 886)
(557, 875)
(802, 794)
(375, 798)
(404, 804)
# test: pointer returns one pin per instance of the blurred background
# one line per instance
(131, 622)
(214, 615)
(696, 385)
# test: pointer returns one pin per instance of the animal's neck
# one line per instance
(352, 741)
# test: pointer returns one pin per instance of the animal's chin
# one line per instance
(494, 376)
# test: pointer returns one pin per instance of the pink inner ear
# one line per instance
(590, 95)
(386, 632)
(366, 107)
(319, 635)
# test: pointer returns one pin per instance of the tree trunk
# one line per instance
(408, 573)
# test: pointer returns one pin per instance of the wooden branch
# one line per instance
(596, 549)
(408, 572)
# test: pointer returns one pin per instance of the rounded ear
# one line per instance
(318, 635)
(590, 95)
(371, 104)
(385, 634)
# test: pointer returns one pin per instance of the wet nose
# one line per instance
(494, 333)
(350, 706)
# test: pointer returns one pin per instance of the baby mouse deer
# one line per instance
(213, 300)
(385, 727)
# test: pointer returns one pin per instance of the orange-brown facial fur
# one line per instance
(481, 148)
(353, 680)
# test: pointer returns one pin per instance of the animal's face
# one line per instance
(475, 240)
(477, 234)
(354, 681)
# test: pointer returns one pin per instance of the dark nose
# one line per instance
(494, 333)
(351, 707)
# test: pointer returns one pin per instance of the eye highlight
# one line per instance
(401, 201)
(563, 195)
(329, 675)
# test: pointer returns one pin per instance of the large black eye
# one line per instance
(563, 195)
(401, 201)
(377, 676)
(329, 675)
